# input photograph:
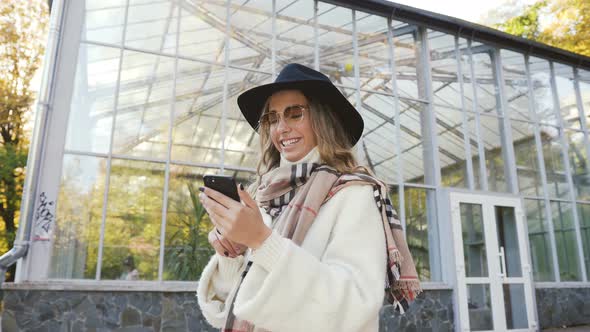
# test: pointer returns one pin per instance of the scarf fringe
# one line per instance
(396, 256)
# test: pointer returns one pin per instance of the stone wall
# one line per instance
(45, 310)
(559, 307)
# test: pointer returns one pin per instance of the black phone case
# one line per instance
(224, 184)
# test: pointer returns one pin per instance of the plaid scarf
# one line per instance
(293, 195)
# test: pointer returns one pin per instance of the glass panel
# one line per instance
(584, 80)
(539, 240)
(144, 105)
(491, 136)
(295, 31)
(251, 38)
(242, 145)
(104, 21)
(406, 54)
(449, 113)
(508, 239)
(515, 306)
(515, 85)
(487, 90)
(335, 42)
(152, 26)
(78, 216)
(374, 58)
(412, 142)
(480, 308)
(579, 164)
(565, 241)
(553, 156)
(525, 151)
(584, 215)
(542, 93)
(134, 215)
(379, 139)
(200, 35)
(474, 245)
(187, 249)
(564, 80)
(451, 147)
(93, 100)
(420, 209)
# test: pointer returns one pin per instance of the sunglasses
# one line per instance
(292, 115)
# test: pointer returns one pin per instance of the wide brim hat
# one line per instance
(313, 84)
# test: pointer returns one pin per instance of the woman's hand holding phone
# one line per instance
(239, 222)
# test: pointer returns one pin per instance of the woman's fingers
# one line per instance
(212, 206)
(221, 199)
(221, 245)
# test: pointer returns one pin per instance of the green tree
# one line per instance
(568, 24)
(23, 27)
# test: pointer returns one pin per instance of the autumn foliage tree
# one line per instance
(23, 31)
(559, 23)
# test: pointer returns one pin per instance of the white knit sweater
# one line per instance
(333, 282)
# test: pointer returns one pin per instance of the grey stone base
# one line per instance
(559, 307)
(57, 311)
(53, 311)
(431, 312)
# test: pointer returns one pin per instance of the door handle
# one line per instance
(502, 273)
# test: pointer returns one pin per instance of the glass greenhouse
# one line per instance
(482, 138)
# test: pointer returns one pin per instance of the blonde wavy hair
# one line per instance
(333, 142)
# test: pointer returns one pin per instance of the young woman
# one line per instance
(314, 248)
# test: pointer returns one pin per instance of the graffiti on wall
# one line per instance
(43, 219)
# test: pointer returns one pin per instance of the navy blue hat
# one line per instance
(312, 83)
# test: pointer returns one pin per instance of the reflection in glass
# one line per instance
(152, 26)
(515, 306)
(584, 81)
(449, 114)
(479, 307)
(486, 85)
(584, 214)
(420, 207)
(515, 85)
(525, 152)
(373, 57)
(294, 24)
(539, 240)
(564, 81)
(104, 21)
(491, 130)
(379, 140)
(579, 164)
(542, 95)
(553, 157)
(565, 241)
(197, 38)
(508, 239)
(474, 245)
(93, 99)
(143, 107)
(78, 216)
(335, 42)
(134, 216)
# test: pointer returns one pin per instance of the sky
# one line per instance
(469, 10)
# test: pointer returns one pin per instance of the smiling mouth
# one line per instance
(289, 142)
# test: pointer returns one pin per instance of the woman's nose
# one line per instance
(282, 125)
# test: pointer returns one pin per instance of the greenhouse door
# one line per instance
(494, 290)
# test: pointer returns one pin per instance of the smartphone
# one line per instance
(224, 184)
